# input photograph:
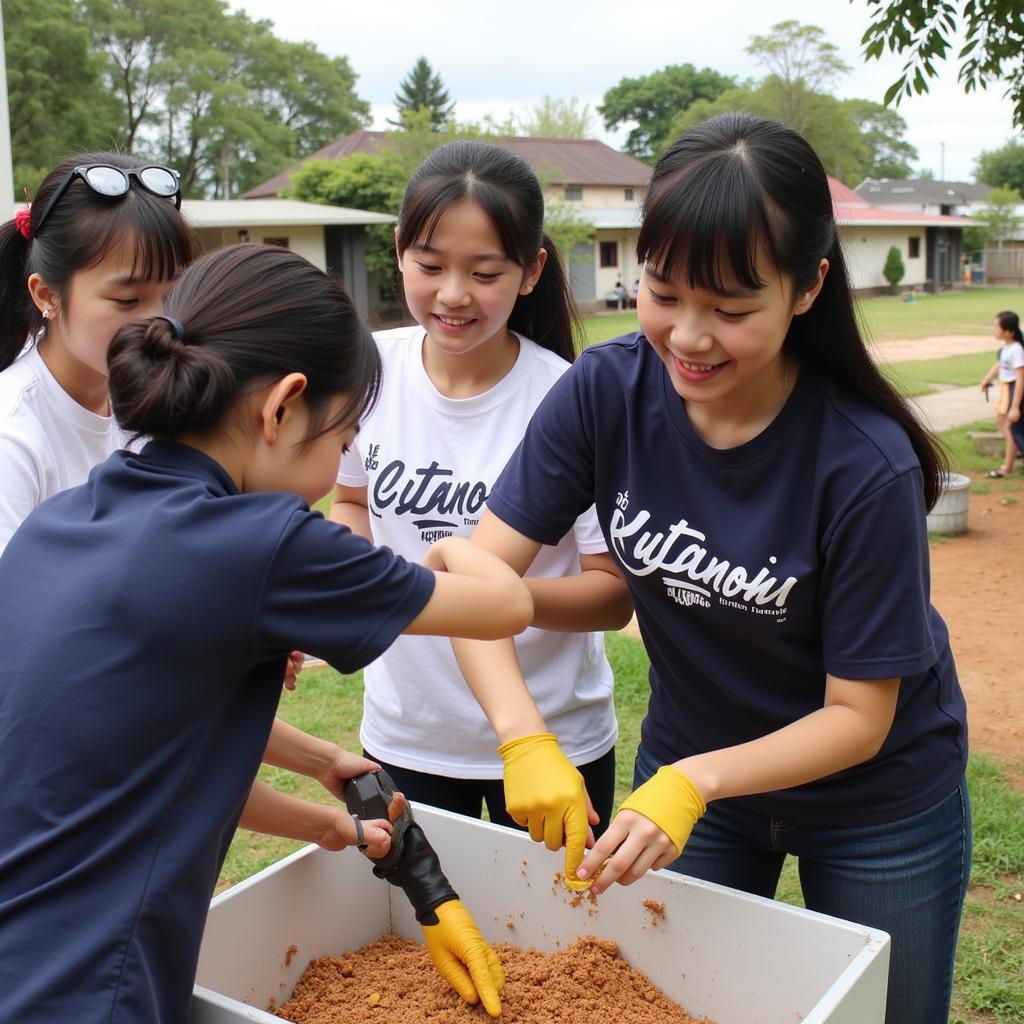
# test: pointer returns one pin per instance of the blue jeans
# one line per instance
(906, 877)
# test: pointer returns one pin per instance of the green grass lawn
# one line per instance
(922, 376)
(884, 318)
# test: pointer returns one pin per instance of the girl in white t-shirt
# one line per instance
(1009, 368)
(101, 243)
(494, 331)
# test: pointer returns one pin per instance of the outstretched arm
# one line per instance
(654, 823)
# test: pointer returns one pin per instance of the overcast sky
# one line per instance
(502, 58)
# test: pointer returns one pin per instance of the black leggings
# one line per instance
(467, 796)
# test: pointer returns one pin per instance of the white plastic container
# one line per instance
(735, 958)
(950, 512)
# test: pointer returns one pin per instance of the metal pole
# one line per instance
(6, 168)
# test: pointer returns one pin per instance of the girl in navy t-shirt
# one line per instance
(146, 618)
(764, 491)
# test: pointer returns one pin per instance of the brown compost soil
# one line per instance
(394, 980)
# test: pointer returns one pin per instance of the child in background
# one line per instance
(1009, 367)
(100, 245)
(146, 618)
(494, 331)
(764, 490)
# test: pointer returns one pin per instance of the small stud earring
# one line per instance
(47, 313)
(528, 289)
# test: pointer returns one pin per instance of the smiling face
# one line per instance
(459, 284)
(724, 347)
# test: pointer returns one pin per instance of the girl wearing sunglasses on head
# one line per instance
(102, 242)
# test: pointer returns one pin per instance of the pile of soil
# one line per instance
(585, 983)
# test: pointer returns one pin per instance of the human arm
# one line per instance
(595, 598)
(350, 508)
(544, 792)
(21, 486)
(847, 730)
(986, 381)
(278, 814)
(297, 751)
(1013, 413)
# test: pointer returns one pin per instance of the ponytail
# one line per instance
(846, 360)
(548, 315)
(19, 318)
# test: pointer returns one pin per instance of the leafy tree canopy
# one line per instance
(1003, 166)
(558, 119)
(986, 36)
(653, 101)
(194, 85)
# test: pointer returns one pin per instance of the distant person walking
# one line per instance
(1009, 367)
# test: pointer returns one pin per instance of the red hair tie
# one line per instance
(23, 222)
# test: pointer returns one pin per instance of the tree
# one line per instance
(992, 47)
(423, 89)
(216, 94)
(999, 218)
(802, 62)
(853, 138)
(1002, 167)
(830, 131)
(894, 269)
(362, 182)
(654, 101)
(56, 101)
(558, 119)
(883, 131)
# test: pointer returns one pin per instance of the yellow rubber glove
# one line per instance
(545, 793)
(671, 801)
(462, 957)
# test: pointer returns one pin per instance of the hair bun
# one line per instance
(161, 340)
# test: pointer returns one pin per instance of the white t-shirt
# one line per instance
(48, 442)
(1011, 359)
(428, 463)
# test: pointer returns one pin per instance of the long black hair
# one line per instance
(237, 318)
(79, 233)
(510, 194)
(1010, 321)
(738, 185)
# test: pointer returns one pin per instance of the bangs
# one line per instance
(709, 221)
(425, 209)
(148, 230)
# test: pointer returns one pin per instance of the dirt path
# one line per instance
(976, 586)
(933, 348)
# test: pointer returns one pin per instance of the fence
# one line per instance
(1004, 267)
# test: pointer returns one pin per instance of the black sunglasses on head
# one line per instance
(115, 182)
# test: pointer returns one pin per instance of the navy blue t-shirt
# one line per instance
(145, 622)
(755, 570)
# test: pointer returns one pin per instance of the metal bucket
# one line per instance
(950, 512)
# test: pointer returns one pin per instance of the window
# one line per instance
(282, 242)
(914, 248)
(628, 194)
(573, 193)
(609, 254)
